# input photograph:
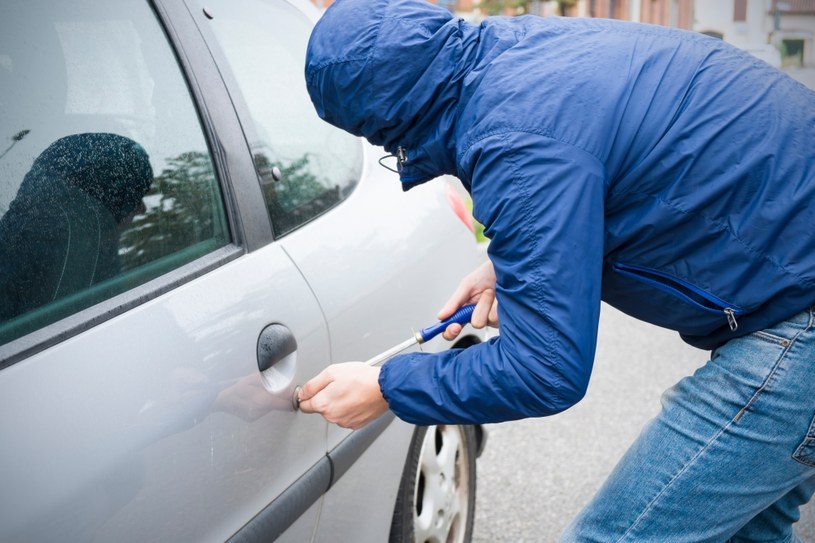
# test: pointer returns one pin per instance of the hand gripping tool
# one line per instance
(461, 316)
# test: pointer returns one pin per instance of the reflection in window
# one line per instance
(105, 177)
(305, 166)
(60, 234)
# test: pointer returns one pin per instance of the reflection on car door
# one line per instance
(161, 414)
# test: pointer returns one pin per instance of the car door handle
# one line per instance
(275, 344)
(277, 358)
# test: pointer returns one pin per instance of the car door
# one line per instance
(379, 261)
(138, 277)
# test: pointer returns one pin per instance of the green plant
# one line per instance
(479, 228)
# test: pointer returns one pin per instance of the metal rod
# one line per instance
(381, 357)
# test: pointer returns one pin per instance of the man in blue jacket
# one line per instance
(661, 171)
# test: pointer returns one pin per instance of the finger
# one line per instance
(469, 288)
(482, 308)
(493, 321)
(315, 385)
(459, 298)
(314, 404)
(452, 331)
(307, 407)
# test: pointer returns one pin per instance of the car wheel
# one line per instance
(436, 501)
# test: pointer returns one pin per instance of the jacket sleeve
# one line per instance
(541, 202)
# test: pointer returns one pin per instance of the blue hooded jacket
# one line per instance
(662, 171)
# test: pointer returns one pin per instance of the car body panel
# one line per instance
(138, 411)
(359, 505)
(403, 273)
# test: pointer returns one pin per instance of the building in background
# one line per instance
(676, 13)
(770, 29)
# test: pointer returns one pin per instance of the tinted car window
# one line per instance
(106, 180)
(305, 165)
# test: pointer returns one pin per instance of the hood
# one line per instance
(390, 71)
(112, 169)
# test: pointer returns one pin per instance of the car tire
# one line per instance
(436, 500)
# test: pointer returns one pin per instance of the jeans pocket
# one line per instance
(805, 453)
(764, 335)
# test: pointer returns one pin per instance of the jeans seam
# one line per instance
(682, 470)
(722, 430)
(797, 455)
(771, 338)
(769, 377)
(790, 342)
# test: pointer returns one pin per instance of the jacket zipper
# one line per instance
(683, 290)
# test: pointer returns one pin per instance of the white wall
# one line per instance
(718, 16)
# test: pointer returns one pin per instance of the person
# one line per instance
(664, 172)
(60, 234)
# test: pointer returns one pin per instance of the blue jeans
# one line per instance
(731, 456)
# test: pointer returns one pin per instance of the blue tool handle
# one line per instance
(462, 316)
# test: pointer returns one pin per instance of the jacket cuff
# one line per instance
(383, 370)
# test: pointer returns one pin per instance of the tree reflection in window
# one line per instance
(297, 195)
(182, 208)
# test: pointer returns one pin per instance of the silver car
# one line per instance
(182, 243)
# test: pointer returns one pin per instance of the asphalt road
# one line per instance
(535, 475)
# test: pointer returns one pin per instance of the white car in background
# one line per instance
(182, 242)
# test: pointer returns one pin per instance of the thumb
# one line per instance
(461, 296)
(315, 385)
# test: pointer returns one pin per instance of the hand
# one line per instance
(479, 288)
(345, 394)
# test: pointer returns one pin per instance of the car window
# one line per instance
(305, 166)
(106, 180)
